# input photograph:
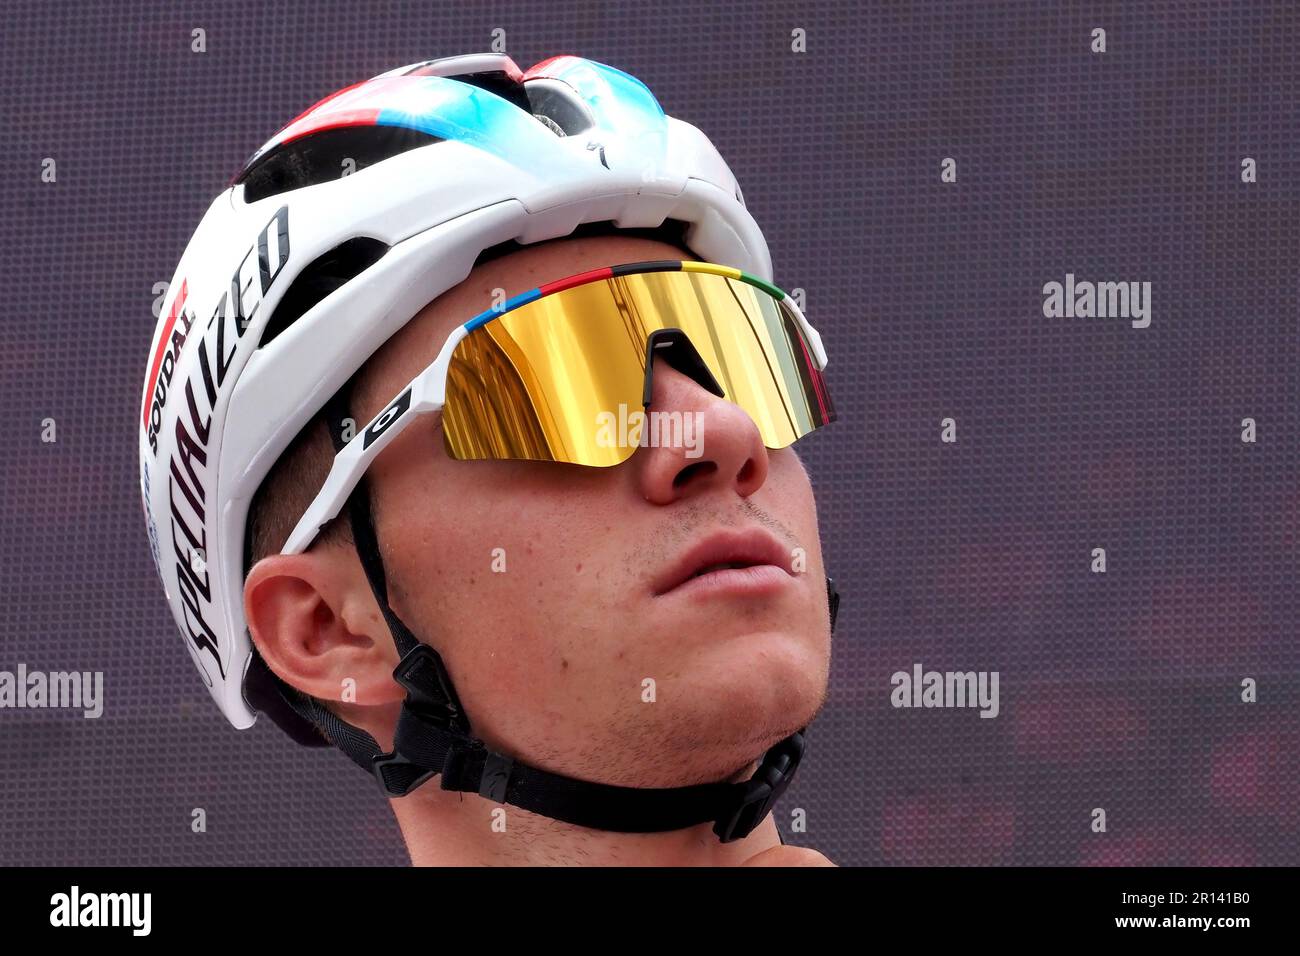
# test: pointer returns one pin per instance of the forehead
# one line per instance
(417, 343)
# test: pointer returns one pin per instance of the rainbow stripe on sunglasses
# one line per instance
(523, 384)
(630, 268)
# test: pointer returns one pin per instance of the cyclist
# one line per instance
(473, 461)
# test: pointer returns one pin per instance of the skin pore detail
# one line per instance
(551, 652)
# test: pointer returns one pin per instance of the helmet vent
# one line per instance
(326, 274)
(550, 124)
(323, 156)
(550, 102)
(497, 82)
(556, 105)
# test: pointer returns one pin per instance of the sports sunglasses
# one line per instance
(533, 377)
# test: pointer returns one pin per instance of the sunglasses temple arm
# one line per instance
(355, 457)
(811, 334)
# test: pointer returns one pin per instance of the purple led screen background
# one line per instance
(1118, 690)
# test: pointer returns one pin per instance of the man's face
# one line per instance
(559, 595)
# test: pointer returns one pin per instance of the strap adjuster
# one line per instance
(398, 776)
(761, 791)
(431, 700)
(428, 688)
(494, 783)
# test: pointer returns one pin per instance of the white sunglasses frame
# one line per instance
(427, 393)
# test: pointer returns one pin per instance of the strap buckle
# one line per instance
(760, 793)
(431, 699)
(398, 776)
(428, 688)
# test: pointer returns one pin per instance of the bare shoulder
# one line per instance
(788, 856)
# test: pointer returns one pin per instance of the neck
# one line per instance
(442, 828)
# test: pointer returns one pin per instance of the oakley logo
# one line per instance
(656, 430)
(389, 415)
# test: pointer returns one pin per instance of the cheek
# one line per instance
(508, 551)
(513, 588)
(789, 494)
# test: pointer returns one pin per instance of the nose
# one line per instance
(720, 447)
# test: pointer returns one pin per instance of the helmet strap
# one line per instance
(433, 735)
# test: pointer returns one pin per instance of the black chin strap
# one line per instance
(433, 736)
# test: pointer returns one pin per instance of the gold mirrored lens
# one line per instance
(547, 380)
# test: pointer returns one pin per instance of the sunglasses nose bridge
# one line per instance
(674, 347)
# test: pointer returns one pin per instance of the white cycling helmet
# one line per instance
(451, 157)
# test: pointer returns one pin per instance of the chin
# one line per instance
(760, 689)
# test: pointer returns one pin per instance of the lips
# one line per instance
(726, 556)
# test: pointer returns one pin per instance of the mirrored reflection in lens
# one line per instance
(534, 382)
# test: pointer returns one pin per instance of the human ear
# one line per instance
(315, 623)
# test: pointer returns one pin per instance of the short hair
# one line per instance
(289, 488)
